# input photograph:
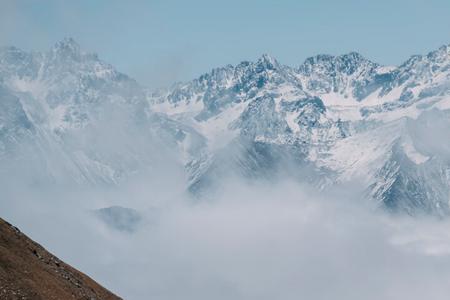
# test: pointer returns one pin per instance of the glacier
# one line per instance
(67, 117)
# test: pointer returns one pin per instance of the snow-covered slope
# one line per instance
(334, 119)
(66, 116)
(69, 116)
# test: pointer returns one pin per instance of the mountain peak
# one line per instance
(67, 47)
(443, 52)
(346, 63)
(354, 57)
(67, 43)
(353, 54)
(268, 62)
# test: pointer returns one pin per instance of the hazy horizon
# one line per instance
(161, 42)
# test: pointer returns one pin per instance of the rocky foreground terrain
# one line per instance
(28, 271)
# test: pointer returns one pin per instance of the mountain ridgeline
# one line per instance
(67, 117)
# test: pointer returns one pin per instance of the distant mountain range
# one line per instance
(68, 117)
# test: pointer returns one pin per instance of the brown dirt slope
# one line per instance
(28, 271)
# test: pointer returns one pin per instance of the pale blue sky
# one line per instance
(158, 42)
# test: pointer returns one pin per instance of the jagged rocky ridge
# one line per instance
(69, 117)
(332, 120)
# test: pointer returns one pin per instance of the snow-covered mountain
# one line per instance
(332, 120)
(69, 117)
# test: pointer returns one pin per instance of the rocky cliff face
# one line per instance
(347, 117)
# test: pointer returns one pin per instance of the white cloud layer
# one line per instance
(253, 242)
